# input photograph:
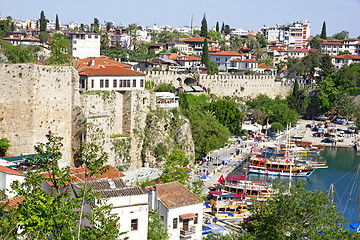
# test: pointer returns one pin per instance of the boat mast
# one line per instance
(332, 194)
(288, 155)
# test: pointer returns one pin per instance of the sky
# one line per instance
(248, 15)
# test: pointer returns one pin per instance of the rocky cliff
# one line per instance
(165, 131)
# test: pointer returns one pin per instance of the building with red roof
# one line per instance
(196, 44)
(345, 59)
(20, 38)
(223, 59)
(298, 53)
(352, 45)
(106, 74)
(7, 177)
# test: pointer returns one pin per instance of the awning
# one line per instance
(215, 192)
(235, 177)
(187, 216)
(239, 195)
(224, 159)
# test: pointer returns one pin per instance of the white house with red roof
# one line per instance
(332, 48)
(189, 61)
(7, 177)
(346, 59)
(223, 59)
(196, 44)
(105, 74)
(17, 39)
(298, 53)
(352, 45)
(180, 210)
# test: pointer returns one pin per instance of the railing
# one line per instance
(190, 231)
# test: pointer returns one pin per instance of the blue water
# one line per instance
(342, 171)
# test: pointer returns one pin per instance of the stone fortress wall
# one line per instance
(246, 86)
(36, 99)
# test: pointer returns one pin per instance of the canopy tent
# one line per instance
(204, 177)
(224, 159)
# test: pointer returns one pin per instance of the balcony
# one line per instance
(189, 232)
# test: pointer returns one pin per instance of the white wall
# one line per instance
(111, 80)
(6, 180)
(87, 47)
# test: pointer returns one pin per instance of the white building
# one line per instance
(333, 48)
(130, 204)
(352, 45)
(180, 210)
(298, 53)
(106, 74)
(346, 59)
(239, 32)
(84, 44)
(23, 39)
(223, 59)
(294, 34)
(189, 61)
(166, 100)
(7, 177)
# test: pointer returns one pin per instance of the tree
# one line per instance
(298, 100)
(60, 49)
(19, 53)
(174, 168)
(323, 31)
(43, 215)
(300, 214)
(266, 60)
(95, 26)
(203, 32)
(217, 27)
(156, 227)
(43, 22)
(4, 146)
(57, 24)
(276, 127)
(261, 40)
(82, 27)
(236, 43)
(4, 28)
(315, 43)
(326, 67)
(341, 35)
(205, 57)
(222, 28)
(227, 30)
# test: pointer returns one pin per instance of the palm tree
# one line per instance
(236, 43)
(133, 28)
(266, 60)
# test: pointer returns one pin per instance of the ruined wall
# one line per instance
(36, 99)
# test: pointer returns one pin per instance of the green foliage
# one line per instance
(174, 168)
(276, 110)
(60, 49)
(4, 146)
(214, 35)
(165, 87)
(43, 22)
(222, 28)
(212, 68)
(41, 214)
(160, 151)
(197, 189)
(301, 214)
(208, 134)
(57, 24)
(344, 52)
(19, 53)
(323, 31)
(326, 67)
(228, 114)
(217, 26)
(276, 127)
(156, 228)
(204, 30)
(95, 26)
(341, 35)
(4, 28)
(227, 30)
(315, 43)
(149, 84)
(266, 60)
(299, 99)
(261, 40)
(205, 57)
(44, 36)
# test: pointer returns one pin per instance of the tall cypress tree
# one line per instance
(323, 31)
(57, 24)
(205, 57)
(222, 28)
(43, 22)
(203, 32)
(217, 26)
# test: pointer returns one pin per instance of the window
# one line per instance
(141, 83)
(175, 223)
(134, 82)
(196, 218)
(217, 59)
(107, 83)
(74, 42)
(134, 224)
(89, 36)
(120, 83)
(92, 83)
(128, 83)
(101, 83)
(115, 83)
(96, 36)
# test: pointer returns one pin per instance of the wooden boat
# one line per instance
(230, 209)
(279, 167)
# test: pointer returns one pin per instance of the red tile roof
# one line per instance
(174, 195)
(112, 172)
(249, 60)
(351, 39)
(189, 58)
(102, 61)
(13, 203)
(348, 56)
(299, 50)
(332, 43)
(227, 53)
(27, 38)
(187, 216)
(109, 71)
(9, 171)
(197, 39)
(264, 66)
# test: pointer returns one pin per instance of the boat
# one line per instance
(279, 167)
(229, 209)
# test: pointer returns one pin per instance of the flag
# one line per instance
(262, 161)
(287, 160)
(221, 179)
(243, 177)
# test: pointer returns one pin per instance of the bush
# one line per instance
(4, 146)
(276, 127)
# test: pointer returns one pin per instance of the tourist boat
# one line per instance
(248, 190)
(279, 166)
(230, 209)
